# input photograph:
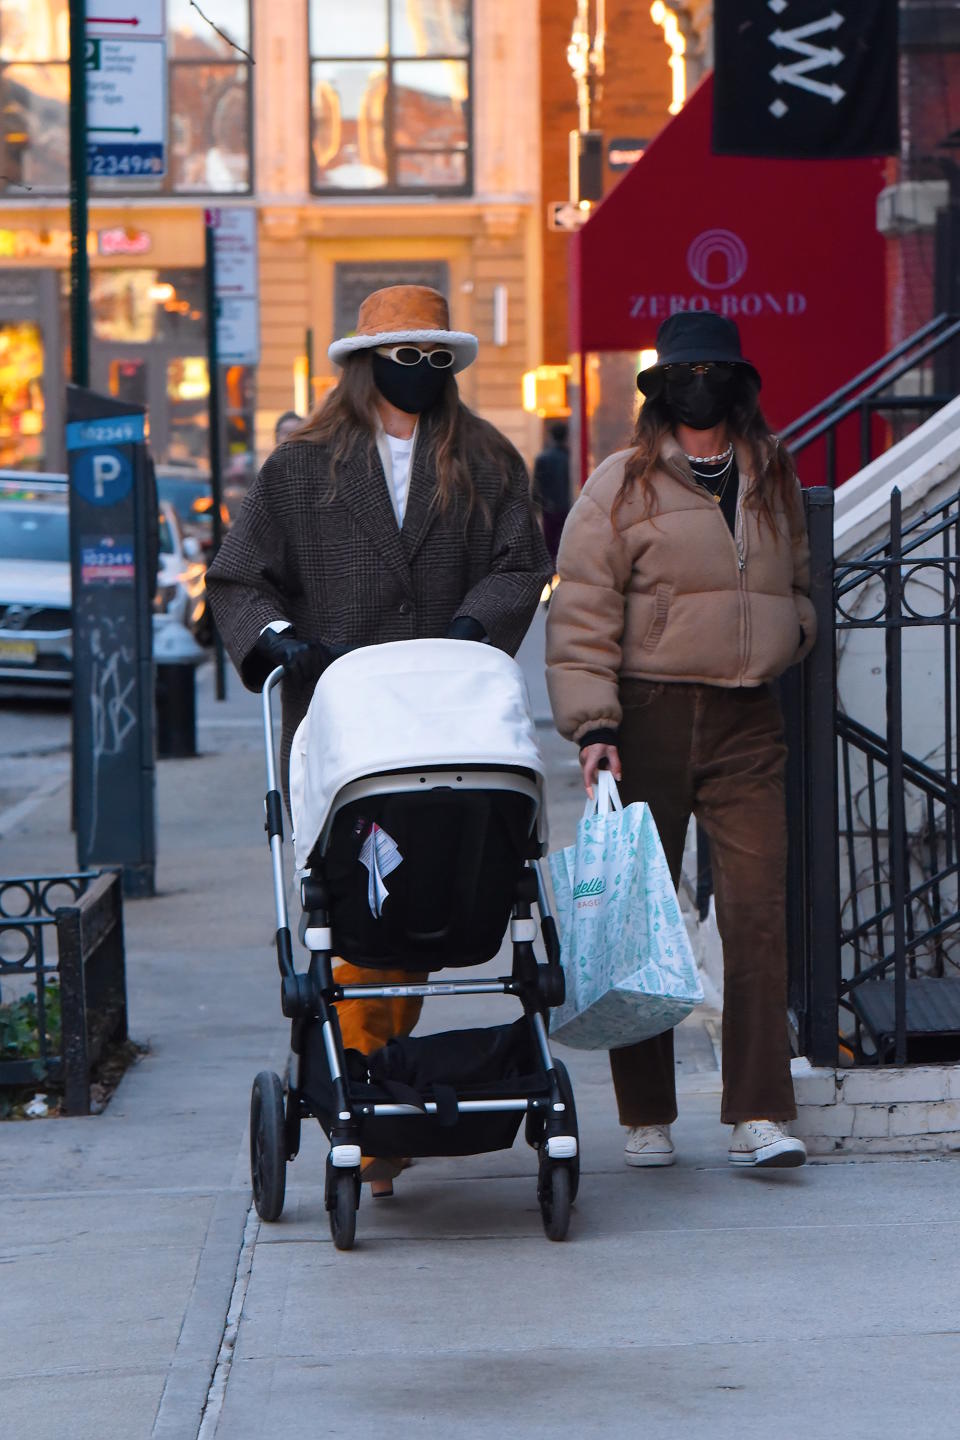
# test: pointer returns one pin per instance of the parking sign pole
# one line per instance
(79, 259)
(213, 372)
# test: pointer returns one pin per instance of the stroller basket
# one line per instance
(409, 1093)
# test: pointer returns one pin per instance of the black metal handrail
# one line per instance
(916, 772)
(837, 397)
(863, 394)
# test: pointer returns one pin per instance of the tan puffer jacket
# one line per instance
(672, 595)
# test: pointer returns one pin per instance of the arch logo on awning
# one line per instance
(718, 260)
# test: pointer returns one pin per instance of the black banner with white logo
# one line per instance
(805, 79)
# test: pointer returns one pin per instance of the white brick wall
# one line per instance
(877, 1111)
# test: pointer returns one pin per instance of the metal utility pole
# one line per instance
(79, 258)
(587, 60)
(586, 57)
(213, 374)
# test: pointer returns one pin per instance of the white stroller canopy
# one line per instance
(411, 704)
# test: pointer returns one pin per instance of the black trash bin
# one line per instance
(176, 656)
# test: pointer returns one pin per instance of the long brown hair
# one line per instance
(459, 442)
(770, 462)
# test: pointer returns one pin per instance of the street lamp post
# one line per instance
(79, 258)
(586, 58)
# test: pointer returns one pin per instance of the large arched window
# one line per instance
(390, 96)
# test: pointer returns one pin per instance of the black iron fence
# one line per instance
(874, 796)
(62, 979)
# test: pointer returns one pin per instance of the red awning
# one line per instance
(787, 248)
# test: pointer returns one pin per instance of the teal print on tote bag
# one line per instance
(626, 955)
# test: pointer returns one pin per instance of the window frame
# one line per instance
(392, 189)
(104, 188)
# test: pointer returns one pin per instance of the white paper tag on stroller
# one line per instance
(381, 857)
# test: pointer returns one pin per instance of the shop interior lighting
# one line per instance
(645, 359)
(161, 292)
(501, 300)
(545, 391)
(666, 18)
(301, 385)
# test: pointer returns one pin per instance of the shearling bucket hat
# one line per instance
(696, 337)
(406, 314)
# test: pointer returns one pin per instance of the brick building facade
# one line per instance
(920, 186)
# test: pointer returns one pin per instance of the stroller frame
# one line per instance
(310, 999)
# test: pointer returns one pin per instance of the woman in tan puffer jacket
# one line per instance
(683, 595)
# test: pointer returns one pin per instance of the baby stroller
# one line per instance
(416, 790)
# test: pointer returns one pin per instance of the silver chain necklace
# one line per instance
(711, 480)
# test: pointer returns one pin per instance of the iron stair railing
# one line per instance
(864, 395)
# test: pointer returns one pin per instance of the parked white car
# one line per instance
(35, 614)
(35, 641)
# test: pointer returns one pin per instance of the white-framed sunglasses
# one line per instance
(439, 359)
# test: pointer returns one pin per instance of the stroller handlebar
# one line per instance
(269, 685)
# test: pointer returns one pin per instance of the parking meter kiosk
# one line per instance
(113, 561)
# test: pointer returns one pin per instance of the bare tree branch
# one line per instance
(223, 35)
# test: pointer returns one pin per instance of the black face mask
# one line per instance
(412, 388)
(701, 402)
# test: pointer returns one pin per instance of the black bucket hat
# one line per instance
(694, 338)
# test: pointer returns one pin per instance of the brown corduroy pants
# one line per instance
(718, 754)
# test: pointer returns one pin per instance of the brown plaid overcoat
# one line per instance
(329, 557)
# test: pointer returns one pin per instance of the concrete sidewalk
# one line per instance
(140, 1298)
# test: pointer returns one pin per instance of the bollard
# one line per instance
(176, 656)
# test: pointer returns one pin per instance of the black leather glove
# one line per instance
(302, 663)
(466, 628)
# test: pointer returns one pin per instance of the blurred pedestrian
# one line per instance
(551, 486)
(683, 594)
(289, 422)
(395, 514)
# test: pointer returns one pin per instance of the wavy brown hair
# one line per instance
(459, 442)
(772, 466)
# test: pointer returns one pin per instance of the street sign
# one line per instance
(235, 249)
(238, 332)
(562, 215)
(126, 107)
(624, 152)
(103, 476)
(136, 19)
(236, 284)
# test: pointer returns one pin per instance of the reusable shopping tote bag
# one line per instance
(625, 951)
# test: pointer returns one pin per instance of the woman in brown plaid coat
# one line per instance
(394, 513)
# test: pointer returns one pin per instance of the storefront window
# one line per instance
(21, 396)
(612, 401)
(209, 89)
(134, 307)
(34, 96)
(390, 95)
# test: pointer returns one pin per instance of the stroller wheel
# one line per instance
(536, 1127)
(343, 1209)
(268, 1154)
(554, 1195)
(566, 1090)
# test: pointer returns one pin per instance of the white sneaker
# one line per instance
(649, 1145)
(764, 1142)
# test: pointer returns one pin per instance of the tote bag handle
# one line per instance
(606, 796)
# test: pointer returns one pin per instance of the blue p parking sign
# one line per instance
(103, 476)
